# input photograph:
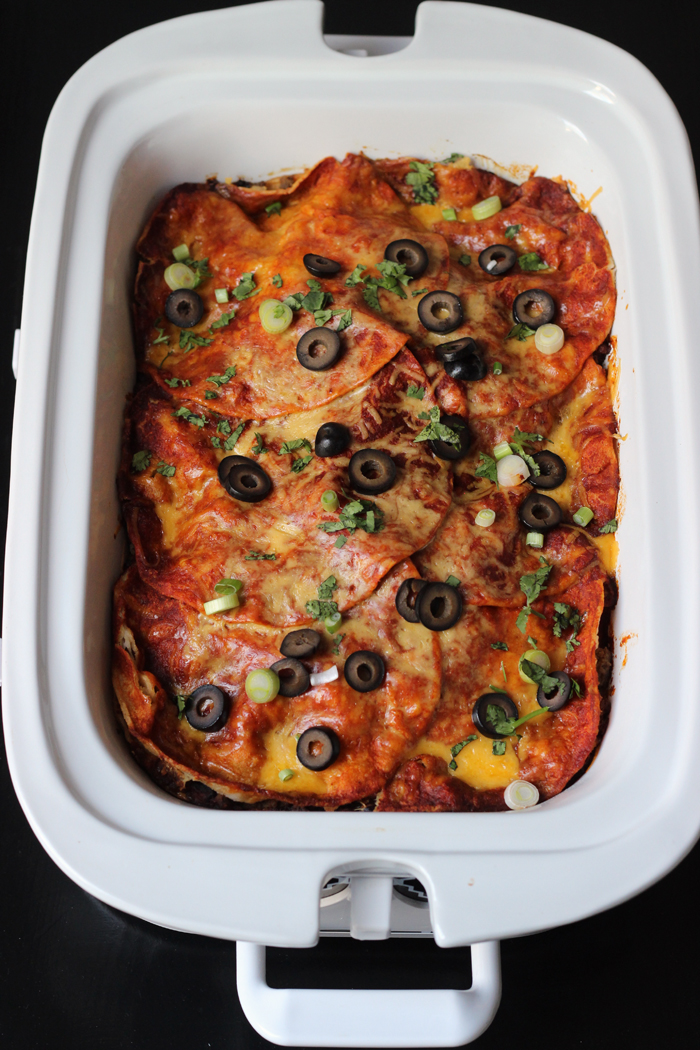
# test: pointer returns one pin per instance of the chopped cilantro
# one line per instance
(292, 446)
(220, 380)
(531, 261)
(497, 368)
(340, 542)
(521, 332)
(224, 427)
(517, 446)
(371, 296)
(415, 391)
(336, 647)
(567, 618)
(166, 469)
(456, 748)
(299, 464)
(294, 301)
(230, 442)
(316, 298)
(274, 209)
(421, 178)
(539, 676)
(357, 514)
(322, 317)
(498, 747)
(140, 461)
(513, 231)
(452, 580)
(532, 584)
(223, 321)
(496, 717)
(200, 270)
(216, 442)
(161, 337)
(258, 448)
(610, 526)
(532, 642)
(190, 417)
(245, 287)
(210, 395)
(452, 158)
(188, 340)
(175, 382)
(356, 276)
(503, 672)
(499, 645)
(345, 319)
(576, 687)
(394, 277)
(418, 291)
(322, 607)
(259, 556)
(180, 700)
(465, 259)
(277, 280)
(435, 430)
(487, 468)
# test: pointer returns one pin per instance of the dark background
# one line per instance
(76, 973)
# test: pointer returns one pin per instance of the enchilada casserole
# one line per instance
(369, 478)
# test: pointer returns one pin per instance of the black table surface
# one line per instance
(74, 972)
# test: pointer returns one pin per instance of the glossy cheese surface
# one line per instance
(226, 386)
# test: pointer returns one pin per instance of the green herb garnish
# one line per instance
(292, 446)
(336, 647)
(258, 448)
(452, 581)
(223, 321)
(499, 645)
(532, 584)
(140, 461)
(610, 526)
(162, 338)
(188, 341)
(224, 427)
(190, 417)
(220, 380)
(521, 332)
(259, 556)
(175, 382)
(245, 287)
(498, 747)
(452, 158)
(505, 726)
(421, 179)
(210, 395)
(513, 231)
(322, 607)
(465, 260)
(539, 676)
(415, 391)
(531, 261)
(418, 291)
(180, 700)
(277, 280)
(166, 469)
(274, 209)
(356, 276)
(357, 514)
(567, 618)
(370, 295)
(487, 468)
(230, 442)
(456, 748)
(435, 430)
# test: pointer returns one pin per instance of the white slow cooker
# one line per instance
(248, 91)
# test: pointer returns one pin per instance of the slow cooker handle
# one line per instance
(374, 1017)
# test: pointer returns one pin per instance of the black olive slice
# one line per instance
(410, 254)
(371, 471)
(534, 308)
(318, 748)
(293, 676)
(244, 479)
(480, 712)
(184, 308)
(540, 512)
(439, 606)
(406, 598)
(318, 349)
(205, 708)
(364, 671)
(497, 259)
(300, 643)
(457, 350)
(561, 694)
(445, 449)
(320, 266)
(470, 369)
(440, 311)
(331, 439)
(552, 470)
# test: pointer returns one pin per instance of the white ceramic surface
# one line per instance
(251, 90)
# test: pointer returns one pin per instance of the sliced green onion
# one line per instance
(221, 295)
(497, 368)
(449, 214)
(226, 586)
(485, 209)
(485, 518)
(501, 450)
(332, 623)
(549, 339)
(275, 317)
(181, 252)
(521, 794)
(583, 516)
(512, 471)
(535, 656)
(329, 500)
(179, 276)
(262, 686)
(226, 601)
(535, 539)
(287, 774)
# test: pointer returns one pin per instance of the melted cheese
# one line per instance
(476, 763)
(281, 753)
